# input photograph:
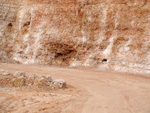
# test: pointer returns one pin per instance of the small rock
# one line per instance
(40, 81)
(48, 78)
(4, 72)
(31, 79)
(58, 84)
(19, 81)
(19, 74)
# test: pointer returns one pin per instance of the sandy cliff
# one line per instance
(106, 34)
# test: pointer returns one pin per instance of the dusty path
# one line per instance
(96, 92)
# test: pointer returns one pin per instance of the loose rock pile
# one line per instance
(19, 79)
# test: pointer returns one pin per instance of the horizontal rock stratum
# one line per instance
(106, 34)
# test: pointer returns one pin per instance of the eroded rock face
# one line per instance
(107, 34)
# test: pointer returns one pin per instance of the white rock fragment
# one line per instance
(58, 84)
(19, 74)
(4, 72)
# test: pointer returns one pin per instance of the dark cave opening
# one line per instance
(26, 24)
(104, 60)
(10, 25)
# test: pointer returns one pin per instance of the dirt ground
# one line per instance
(88, 91)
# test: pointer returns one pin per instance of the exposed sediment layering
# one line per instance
(107, 34)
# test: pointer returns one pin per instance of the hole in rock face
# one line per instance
(64, 57)
(104, 60)
(26, 24)
(25, 28)
(10, 25)
(63, 52)
(21, 52)
(59, 54)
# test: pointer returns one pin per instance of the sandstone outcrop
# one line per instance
(77, 33)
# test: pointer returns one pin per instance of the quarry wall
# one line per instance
(105, 34)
